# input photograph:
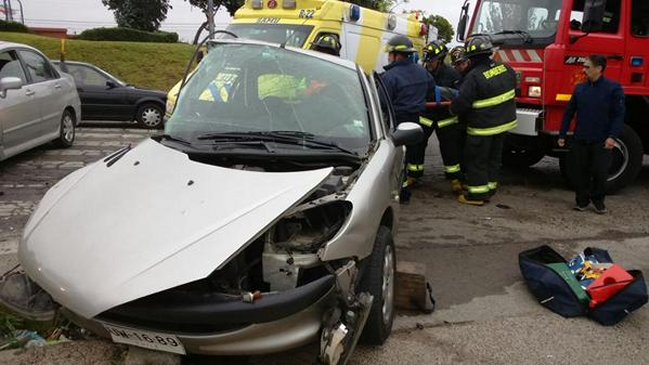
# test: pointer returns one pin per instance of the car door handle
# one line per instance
(30, 92)
(57, 86)
(616, 57)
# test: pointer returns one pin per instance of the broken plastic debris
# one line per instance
(249, 297)
(24, 297)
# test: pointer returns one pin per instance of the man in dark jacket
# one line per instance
(599, 105)
(408, 85)
(440, 120)
(327, 43)
(486, 102)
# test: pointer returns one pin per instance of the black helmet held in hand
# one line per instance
(327, 43)
(400, 44)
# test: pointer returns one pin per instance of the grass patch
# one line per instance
(147, 65)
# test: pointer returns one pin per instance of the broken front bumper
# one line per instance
(276, 322)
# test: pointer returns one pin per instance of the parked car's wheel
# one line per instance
(378, 280)
(67, 131)
(149, 115)
(626, 162)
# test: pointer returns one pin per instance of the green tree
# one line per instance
(381, 5)
(233, 5)
(230, 5)
(139, 14)
(445, 30)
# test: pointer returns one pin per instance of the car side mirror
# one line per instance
(8, 83)
(111, 84)
(407, 133)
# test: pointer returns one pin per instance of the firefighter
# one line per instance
(459, 61)
(440, 120)
(486, 102)
(327, 43)
(408, 85)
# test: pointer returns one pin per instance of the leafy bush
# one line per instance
(13, 27)
(127, 35)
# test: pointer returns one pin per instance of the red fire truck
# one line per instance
(546, 42)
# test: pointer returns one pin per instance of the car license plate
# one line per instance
(146, 339)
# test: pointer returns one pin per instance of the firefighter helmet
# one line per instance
(327, 43)
(478, 45)
(400, 44)
(458, 54)
(435, 50)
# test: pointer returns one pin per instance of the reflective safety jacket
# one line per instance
(408, 85)
(447, 77)
(486, 101)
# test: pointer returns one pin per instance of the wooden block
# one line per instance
(410, 287)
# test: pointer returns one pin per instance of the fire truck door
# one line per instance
(637, 46)
(608, 42)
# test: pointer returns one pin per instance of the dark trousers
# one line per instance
(483, 155)
(415, 154)
(592, 162)
(451, 144)
(451, 141)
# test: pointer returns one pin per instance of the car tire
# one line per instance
(67, 131)
(150, 116)
(380, 284)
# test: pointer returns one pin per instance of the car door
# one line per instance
(389, 124)
(20, 115)
(47, 89)
(99, 101)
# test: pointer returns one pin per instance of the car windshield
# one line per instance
(257, 89)
(538, 18)
(292, 35)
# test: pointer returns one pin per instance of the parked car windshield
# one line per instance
(257, 88)
(87, 75)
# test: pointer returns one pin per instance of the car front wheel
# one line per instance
(67, 130)
(378, 280)
(149, 115)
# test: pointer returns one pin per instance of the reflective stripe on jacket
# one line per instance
(487, 99)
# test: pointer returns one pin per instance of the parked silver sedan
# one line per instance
(260, 221)
(37, 103)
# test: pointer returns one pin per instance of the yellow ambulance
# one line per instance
(362, 33)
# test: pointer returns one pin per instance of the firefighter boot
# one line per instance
(456, 187)
(462, 199)
(410, 182)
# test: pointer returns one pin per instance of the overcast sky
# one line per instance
(77, 15)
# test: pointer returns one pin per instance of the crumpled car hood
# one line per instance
(150, 222)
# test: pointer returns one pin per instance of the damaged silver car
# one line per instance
(262, 219)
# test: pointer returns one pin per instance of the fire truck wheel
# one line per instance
(625, 165)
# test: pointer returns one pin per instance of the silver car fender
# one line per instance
(375, 192)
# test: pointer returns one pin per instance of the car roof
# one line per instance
(72, 62)
(6, 45)
(323, 56)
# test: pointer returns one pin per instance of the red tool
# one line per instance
(612, 281)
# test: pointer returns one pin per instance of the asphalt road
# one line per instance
(485, 314)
